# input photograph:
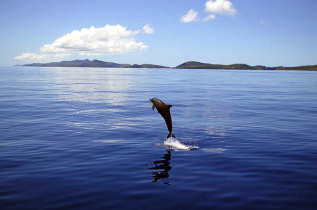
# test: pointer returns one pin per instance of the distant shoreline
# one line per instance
(186, 65)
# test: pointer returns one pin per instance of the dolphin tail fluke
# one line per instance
(170, 135)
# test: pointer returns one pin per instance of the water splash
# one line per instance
(175, 144)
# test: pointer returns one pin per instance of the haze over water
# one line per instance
(87, 138)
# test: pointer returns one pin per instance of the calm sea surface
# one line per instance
(87, 138)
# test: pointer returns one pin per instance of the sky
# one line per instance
(164, 32)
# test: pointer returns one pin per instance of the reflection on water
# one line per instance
(161, 168)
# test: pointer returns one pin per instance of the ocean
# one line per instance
(87, 138)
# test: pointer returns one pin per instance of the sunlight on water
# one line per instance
(98, 111)
(109, 89)
(214, 150)
(109, 141)
(216, 131)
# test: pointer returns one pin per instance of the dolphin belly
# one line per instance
(164, 110)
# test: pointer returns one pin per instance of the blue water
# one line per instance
(87, 138)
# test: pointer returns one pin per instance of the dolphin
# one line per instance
(164, 110)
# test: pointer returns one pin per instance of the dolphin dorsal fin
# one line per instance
(169, 106)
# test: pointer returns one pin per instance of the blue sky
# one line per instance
(266, 32)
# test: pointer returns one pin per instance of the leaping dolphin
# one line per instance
(164, 110)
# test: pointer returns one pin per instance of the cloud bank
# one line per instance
(212, 8)
(110, 39)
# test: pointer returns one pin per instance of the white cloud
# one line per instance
(40, 57)
(209, 17)
(110, 39)
(190, 16)
(148, 29)
(223, 7)
(89, 41)
(213, 8)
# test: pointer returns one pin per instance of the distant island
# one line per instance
(186, 65)
(93, 63)
(198, 65)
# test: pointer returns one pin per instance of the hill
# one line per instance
(199, 65)
(93, 63)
